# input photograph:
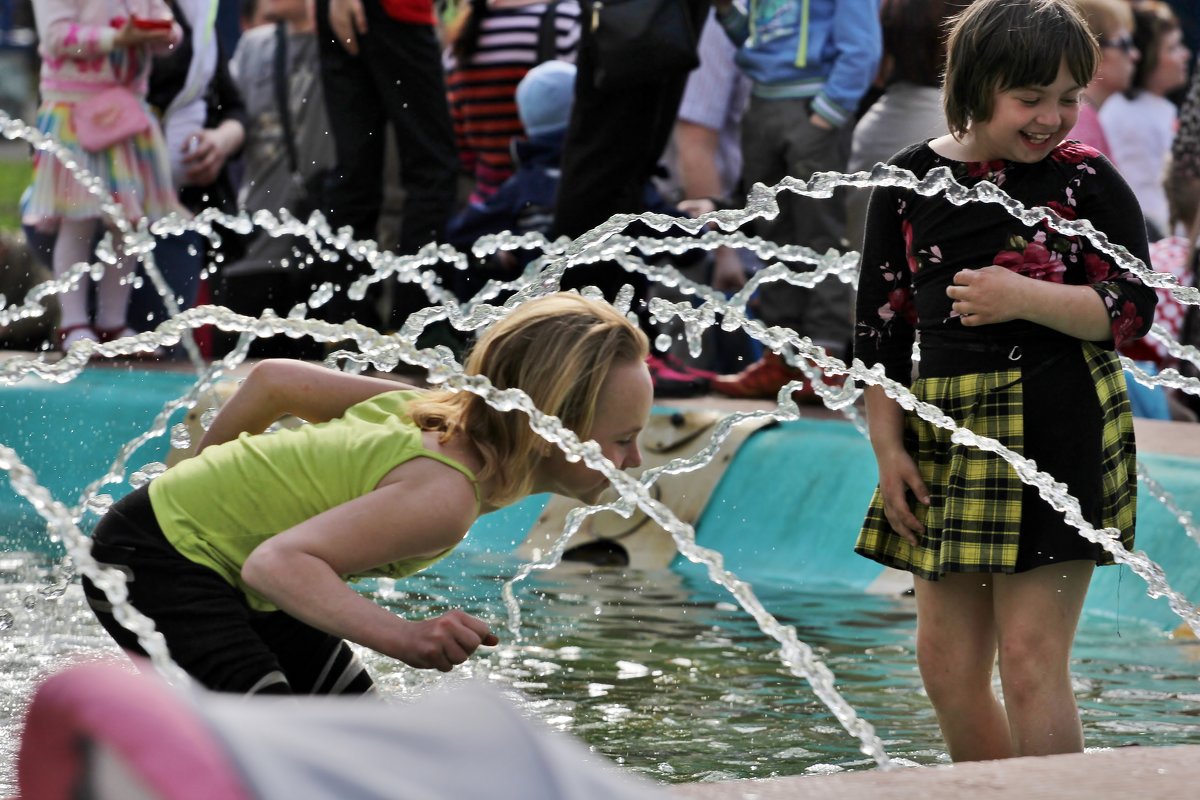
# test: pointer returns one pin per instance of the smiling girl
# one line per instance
(1017, 327)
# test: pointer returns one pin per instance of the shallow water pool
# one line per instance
(664, 674)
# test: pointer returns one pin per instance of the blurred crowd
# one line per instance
(413, 122)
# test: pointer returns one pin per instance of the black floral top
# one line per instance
(915, 245)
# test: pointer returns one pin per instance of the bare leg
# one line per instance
(1036, 616)
(956, 650)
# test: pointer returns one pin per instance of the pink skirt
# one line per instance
(135, 173)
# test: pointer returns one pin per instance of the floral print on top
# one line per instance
(915, 245)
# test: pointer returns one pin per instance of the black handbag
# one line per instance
(636, 41)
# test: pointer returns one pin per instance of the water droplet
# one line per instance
(181, 437)
(7, 620)
(662, 342)
(99, 504)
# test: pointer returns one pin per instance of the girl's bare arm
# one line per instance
(278, 387)
(422, 514)
(898, 473)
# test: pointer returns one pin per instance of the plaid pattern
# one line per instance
(973, 523)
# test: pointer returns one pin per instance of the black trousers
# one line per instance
(395, 79)
(210, 630)
(613, 144)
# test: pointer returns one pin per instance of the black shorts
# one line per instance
(210, 630)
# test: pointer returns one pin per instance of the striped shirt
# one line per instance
(482, 91)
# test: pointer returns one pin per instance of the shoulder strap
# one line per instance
(547, 42)
(281, 96)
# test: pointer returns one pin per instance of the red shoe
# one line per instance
(761, 380)
(764, 378)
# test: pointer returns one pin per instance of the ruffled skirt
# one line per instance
(135, 173)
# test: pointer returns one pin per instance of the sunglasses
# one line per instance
(1124, 44)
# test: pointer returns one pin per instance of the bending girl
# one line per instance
(241, 555)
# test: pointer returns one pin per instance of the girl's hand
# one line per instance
(444, 642)
(899, 480)
(133, 36)
(989, 295)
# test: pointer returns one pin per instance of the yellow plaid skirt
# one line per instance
(982, 517)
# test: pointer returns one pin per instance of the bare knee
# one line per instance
(954, 672)
(1030, 665)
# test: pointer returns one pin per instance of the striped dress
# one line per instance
(482, 89)
(79, 58)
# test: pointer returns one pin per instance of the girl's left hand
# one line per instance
(204, 153)
(988, 295)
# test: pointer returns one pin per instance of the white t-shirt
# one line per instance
(1140, 132)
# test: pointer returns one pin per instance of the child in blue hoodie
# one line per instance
(811, 62)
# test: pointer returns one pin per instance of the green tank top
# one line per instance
(217, 507)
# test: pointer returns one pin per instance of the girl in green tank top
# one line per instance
(242, 554)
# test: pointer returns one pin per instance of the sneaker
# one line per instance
(761, 380)
(669, 382)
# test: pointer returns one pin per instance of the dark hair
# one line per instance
(914, 38)
(1152, 21)
(996, 45)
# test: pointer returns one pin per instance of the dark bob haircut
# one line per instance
(996, 45)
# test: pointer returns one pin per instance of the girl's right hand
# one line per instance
(899, 484)
(444, 642)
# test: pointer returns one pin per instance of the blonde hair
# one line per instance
(558, 350)
(996, 45)
(1105, 17)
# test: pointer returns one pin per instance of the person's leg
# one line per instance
(252, 294)
(357, 120)
(405, 64)
(614, 140)
(956, 650)
(1036, 616)
(205, 621)
(73, 245)
(822, 313)
(314, 662)
(354, 192)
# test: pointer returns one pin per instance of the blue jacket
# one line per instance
(827, 50)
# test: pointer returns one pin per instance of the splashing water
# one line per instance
(705, 308)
